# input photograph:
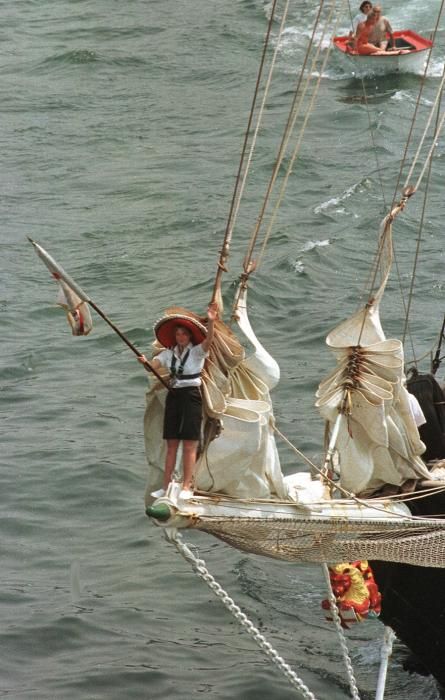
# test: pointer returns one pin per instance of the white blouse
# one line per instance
(193, 365)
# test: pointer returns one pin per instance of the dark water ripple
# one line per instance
(121, 132)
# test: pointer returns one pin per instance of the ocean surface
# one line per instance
(120, 135)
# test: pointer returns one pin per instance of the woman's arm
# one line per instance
(212, 315)
(154, 363)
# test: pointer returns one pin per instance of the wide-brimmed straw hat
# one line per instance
(165, 329)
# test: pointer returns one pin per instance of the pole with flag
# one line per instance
(75, 302)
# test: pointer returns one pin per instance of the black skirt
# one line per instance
(183, 414)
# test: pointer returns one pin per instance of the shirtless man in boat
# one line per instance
(364, 46)
(381, 30)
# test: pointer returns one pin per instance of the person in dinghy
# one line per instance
(186, 342)
(364, 36)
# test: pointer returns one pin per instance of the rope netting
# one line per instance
(331, 539)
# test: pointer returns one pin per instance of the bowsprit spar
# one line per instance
(362, 502)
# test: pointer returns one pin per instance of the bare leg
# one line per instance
(170, 460)
(189, 460)
(397, 52)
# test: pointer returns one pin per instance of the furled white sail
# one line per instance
(378, 443)
(243, 461)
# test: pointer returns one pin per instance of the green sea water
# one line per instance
(121, 130)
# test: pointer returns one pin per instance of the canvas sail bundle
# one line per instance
(378, 442)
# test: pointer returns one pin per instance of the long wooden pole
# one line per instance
(128, 342)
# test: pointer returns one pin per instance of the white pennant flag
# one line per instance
(71, 297)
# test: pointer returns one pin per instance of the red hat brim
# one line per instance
(165, 330)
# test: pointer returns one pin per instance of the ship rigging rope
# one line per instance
(229, 227)
(416, 109)
(408, 191)
(374, 268)
(259, 117)
(419, 237)
(200, 568)
(407, 305)
(302, 130)
(294, 110)
(360, 501)
(435, 139)
(371, 130)
(293, 113)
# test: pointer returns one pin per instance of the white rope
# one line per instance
(373, 503)
(386, 651)
(341, 636)
(199, 566)
(427, 126)
(430, 152)
(295, 108)
(304, 125)
(260, 116)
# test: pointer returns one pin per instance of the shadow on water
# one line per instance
(377, 88)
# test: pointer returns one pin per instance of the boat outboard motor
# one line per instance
(431, 398)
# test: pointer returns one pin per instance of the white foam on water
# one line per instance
(405, 96)
(298, 267)
(293, 38)
(336, 201)
(436, 67)
(310, 245)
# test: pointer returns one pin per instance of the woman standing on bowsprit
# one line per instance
(187, 343)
